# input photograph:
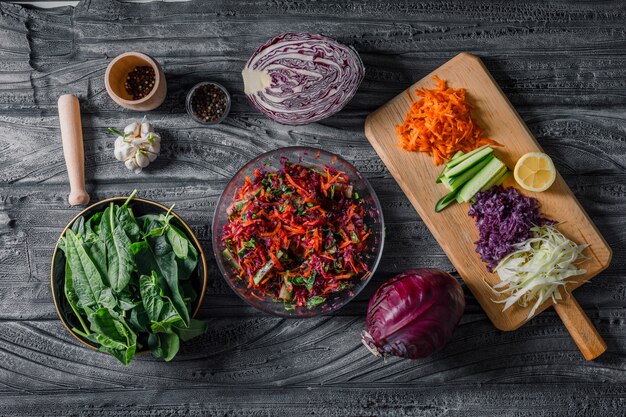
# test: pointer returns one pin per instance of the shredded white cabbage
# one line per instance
(537, 268)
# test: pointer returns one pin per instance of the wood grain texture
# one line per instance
(452, 228)
(73, 149)
(563, 67)
(581, 329)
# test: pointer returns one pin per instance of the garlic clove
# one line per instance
(154, 148)
(152, 137)
(132, 129)
(123, 151)
(117, 148)
(139, 142)
(131, 164)
(152, 156)
(142, 159)
(146, 128)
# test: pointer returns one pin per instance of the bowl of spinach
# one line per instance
(128, 276)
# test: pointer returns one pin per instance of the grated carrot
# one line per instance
(440, 124)
(323, 239)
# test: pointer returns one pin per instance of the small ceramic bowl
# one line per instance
(116, 74)
(140, 207)
(190, 109)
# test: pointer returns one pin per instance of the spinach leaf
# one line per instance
(107, 300)
(127, 300)
(169, 314)
(158, 225)
(86, 279)
(93, 223)
(164, 345)
(196, 328)
(148, 222)
(160, 327)
(178, 241)
(139, 320)
(104, 323)
(123, 355)
(154, 254)
(166, 259)
(152, 302)
(158, 307)
(96, 249)
(169, 317)
(113, 335)
(188, 291)
(78, 226)
(72, 297)
(188, 265)
(119, 257)
(127, 220)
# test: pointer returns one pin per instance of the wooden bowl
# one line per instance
(140, 207)
(116, 74)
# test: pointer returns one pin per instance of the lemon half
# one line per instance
(535, 172)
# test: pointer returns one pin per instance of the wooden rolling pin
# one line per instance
(73, 151)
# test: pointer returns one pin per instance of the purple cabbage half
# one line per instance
(414, 314)
(300, 78)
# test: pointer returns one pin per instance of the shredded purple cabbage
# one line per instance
(503, 217)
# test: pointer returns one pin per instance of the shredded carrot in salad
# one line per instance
(297, 234)
(440, 123)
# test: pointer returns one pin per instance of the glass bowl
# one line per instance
(189, 107)
(273, 161)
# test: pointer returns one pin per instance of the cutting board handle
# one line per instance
(580, 328)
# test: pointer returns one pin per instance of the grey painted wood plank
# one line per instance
(471, 401)
(563, 66)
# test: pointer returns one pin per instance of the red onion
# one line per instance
(300, 78)
(414, 314)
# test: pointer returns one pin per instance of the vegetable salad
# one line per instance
(297, 234)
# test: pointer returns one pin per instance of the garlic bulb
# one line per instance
(137, 146)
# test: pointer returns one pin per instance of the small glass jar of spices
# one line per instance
(208, 103)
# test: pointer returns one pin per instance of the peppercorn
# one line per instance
(209, 103)
(140, 81)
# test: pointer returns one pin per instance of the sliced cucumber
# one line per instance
(503, 177)
(467, 155)
(285, 293)
(260, 274)
(493, 169)
(457, 155)
(231, 259)
(445, 201)
(496, 181)
(445, 169)
(469, 162)
(455, 183)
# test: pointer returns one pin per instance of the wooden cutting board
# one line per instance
(453, 228)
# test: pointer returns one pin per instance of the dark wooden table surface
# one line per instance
(562, 66)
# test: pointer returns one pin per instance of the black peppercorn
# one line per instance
(209, 103)
(140, 81)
